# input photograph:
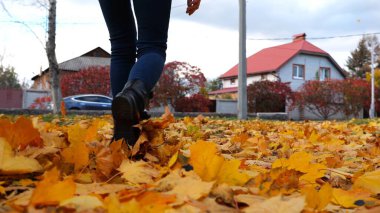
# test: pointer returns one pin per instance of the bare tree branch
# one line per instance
(15, 20)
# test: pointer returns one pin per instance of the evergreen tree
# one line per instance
(214, 84)
(359, 61)
(8, 78)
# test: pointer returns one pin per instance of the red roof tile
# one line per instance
(271, 59)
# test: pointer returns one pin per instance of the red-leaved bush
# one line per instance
(178, 79)
(321, 98)
(94, 80)
(268, 96)
(194, 103)
(327, 98)
(41, 103)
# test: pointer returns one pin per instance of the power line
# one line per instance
(180, 5)
(315, 38)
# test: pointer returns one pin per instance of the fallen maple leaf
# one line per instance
(369, 181)
(78, 152)
(352, 198)
(11, 164)
(212, 167)
(20, 134)
(138, 172)
(317, 200)
(113, 205)
(205, 161)
(187, 188)
(82, 203)
(151, 201)
(51, 191)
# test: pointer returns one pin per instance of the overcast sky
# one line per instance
(208, 39)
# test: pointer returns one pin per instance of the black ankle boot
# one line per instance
(128, 109)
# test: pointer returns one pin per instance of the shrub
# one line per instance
(194, 103)
(95, 80)
(356, 96)
(321, 98)
(268, 96)
(327, 98)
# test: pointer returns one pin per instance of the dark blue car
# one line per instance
(88, 102)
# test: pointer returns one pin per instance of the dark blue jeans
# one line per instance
(147, 44)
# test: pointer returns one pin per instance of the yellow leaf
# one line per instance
(229, 174)
(82, 203)
(113, 205)
(10, 164)
(51, 191)
(348, 199)
(78, 152)
(299, 161)
(212, 167)
(313, 172)
(313, 137)
(280, 163)
(369, 181)
(205, 161)
(190, 188)
(317, 200)
(138, 172)
(173, 160)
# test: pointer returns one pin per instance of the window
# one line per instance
(233, 81)
(298, 71)
(324, 73)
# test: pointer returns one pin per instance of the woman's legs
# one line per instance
(153, 22)
(152, 18)
(121, 26)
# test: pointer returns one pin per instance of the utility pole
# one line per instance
(242, 76)
(372, 107)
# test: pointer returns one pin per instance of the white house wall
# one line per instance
(312, 65)
(250, 80)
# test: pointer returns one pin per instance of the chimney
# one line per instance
(299, 37)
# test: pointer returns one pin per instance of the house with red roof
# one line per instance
(294, 62)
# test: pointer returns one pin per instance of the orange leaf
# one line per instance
(76, 154)
(63, 109)
(20, 134)
(151, 199)
(51, 191)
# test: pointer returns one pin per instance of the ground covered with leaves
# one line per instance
(201, 164)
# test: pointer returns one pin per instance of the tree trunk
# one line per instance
(50, 52)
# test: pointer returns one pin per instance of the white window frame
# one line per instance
(298, 71)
